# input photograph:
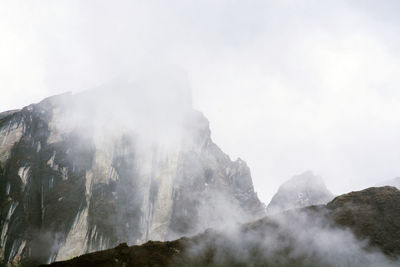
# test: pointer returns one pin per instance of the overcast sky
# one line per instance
(288, 86)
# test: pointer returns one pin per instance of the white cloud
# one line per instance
(287, 85)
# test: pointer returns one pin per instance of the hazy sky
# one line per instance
(288, 86)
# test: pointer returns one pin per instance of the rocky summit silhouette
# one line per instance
(392, 182)
(300, 191)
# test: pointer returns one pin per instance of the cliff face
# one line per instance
(300, 191)
(79, 174)
(355, 229)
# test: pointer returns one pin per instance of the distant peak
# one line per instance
(300, 191)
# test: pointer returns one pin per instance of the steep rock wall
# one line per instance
(70, 187)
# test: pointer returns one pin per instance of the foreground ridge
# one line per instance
(373, 215)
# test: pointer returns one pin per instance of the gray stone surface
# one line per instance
(75, 178)
(300, 191)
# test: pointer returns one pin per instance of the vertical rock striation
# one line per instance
(79, 174)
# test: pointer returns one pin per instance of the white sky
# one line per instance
(288, 86)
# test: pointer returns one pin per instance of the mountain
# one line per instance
(300, 191)
(124, 162)
(356, 229)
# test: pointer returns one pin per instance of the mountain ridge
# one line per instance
(135, 173)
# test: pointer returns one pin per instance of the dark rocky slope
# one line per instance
(312, 236)
(81, 173)
(300, 191)
(373, 213)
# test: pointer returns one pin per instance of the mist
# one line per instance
(152, 94)
(287, 86)
(294, 238)
(140, 159)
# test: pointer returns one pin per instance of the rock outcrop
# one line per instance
(81, 173)
(300, 191)
(373, 213)
(355, 229)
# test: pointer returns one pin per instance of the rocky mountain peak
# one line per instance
(84, 172)
(300, 191)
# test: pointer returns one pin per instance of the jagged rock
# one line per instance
(323, 237)
(80, 173)
(300, 191)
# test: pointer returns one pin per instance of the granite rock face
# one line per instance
(81, 173)
(300, 191)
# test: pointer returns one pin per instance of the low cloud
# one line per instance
(293, 238)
